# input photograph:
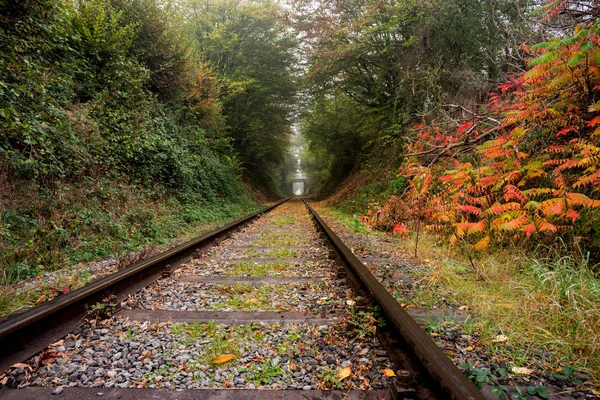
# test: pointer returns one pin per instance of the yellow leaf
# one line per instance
(426, 261)
(500, 338)
(388, 372)
(251, 301)
(344, 373)
(482, 244)
(449, 352)
(469, 348)
(522, 370)
(434, 334)
(223, 358)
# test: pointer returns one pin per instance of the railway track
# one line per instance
(273, 305)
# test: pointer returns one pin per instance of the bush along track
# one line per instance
(469, 318)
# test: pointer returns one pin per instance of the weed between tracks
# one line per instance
(259, 269)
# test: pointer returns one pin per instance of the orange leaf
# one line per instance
(344, 373)
(482, 244)
(388, 372)
(224, 358)
(594, 122)
(529, 229)
(566, 130)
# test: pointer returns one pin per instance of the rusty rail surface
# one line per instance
(450, 379)
(22, 335)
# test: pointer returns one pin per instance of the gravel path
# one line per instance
(119, 352)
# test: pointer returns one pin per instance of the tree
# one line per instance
(253, 52)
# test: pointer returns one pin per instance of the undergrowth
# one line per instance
(545, 302)
(95, 222)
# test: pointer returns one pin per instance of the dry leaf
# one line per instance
(251, 301)
(469, 348)
(596, 392)
(147, 355)
(350, 302)
(449, 352)
(388, 372)
(500, 338)
(49, 356)
(426, 261)
(42, 299)
(522, 370)
(293, 367)
(223, 358)
(56, 344)
(344, 373)
(20, 365)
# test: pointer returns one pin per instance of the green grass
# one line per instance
(219, 340)
(90, 230)
(282, 220)
(263, 373)
(546, 302)
(279, 240)
(259, 269)
(283, 253)
(243, 297)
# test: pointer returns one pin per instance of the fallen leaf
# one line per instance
(56, 344)
(251, 301)
(426, 261)
(596, 392)
(147, 354)
(522, 370)
(344, 373)
(449, 352)
(500, 338)
(462, 308)
(224, 358)
(48, 356)
(434, 334)
(468, 348)
(20, 365)
(293, 367)
(388, 372)
(350, 302)
(42, 299)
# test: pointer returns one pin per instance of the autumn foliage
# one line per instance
(526, 168)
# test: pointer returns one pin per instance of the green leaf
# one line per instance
(543, 392)
(576, 59)
(559, 376)
(546, 58)
(586, 46)
(568, 370)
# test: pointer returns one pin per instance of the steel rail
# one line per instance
(22, 335)
(443, 371)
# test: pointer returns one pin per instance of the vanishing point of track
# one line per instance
(271, 306)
